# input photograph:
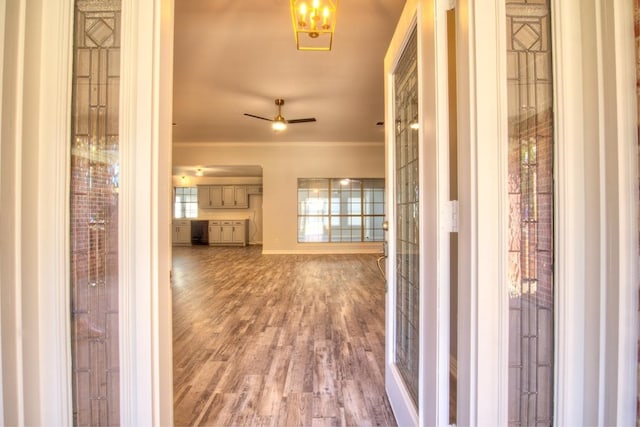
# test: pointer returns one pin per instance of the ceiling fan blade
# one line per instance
(258, 117)
(307, 120)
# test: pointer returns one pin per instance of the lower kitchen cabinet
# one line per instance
(228, 232)
(181, 232)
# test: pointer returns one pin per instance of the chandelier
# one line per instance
(314, 22)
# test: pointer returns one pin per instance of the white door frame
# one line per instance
(399, 398)
(146, 371)
(594, 85)
(36, 95)
(596, 213)
(36, 71)
(34, 195)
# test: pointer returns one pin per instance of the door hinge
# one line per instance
(449, 216)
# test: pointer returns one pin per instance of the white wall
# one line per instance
(282, 164)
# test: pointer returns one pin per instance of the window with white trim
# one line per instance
(185, 202)
(340, 210)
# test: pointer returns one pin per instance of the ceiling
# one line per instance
(236, 56)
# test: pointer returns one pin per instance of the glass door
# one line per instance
(418, 199)
(403, 190)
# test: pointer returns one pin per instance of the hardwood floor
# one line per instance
(277, 340)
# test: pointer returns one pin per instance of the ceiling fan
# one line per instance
(279, 123)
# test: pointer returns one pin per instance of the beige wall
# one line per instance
(282, 164)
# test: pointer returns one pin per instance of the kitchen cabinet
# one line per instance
(206, 197)
(254, 189)
(228, 232)
(181, 232)
(222, 197)
(240, 199)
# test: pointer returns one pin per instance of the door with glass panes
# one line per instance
(416, 129)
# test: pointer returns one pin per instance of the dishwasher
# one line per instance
(199, 232)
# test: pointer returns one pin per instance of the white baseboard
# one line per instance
(328, 251)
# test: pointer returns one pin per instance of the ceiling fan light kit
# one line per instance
(314, 22)
(279, 123)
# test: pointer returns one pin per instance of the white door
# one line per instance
(416, 134)
(255, 223)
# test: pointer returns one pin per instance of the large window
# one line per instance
(340, 210)
(185, 202)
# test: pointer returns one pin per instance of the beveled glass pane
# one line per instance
(407, 310)
(530, 187)
(94, 214)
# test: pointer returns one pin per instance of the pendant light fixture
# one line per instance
(314, 22)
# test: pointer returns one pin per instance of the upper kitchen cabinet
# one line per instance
(222, 197)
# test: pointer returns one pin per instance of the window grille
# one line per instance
(340, 210)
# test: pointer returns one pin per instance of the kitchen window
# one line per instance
(185, 202)
(340, 210)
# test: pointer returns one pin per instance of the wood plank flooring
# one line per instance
(277, 340)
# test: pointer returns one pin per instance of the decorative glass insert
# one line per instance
(94, 214)
(185, 202)
(340, 210)
(530, 186)
(407, 310)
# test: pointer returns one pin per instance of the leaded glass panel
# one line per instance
(94, 214)
(530, 186)
(407, 310)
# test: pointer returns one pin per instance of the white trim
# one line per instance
(503, 217)
(35, 136)
(404, 411)
(601, 231)
(435, 252)
(3, 24)
(53, 210)
(10, 212)
(488, 110)
(569, 215)
(329, 250)
(627, 194)
(163, 213)
(596, 214)
(144, 211)
(134, 207)
(467, 367)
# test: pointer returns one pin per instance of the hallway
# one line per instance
(277, 339)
